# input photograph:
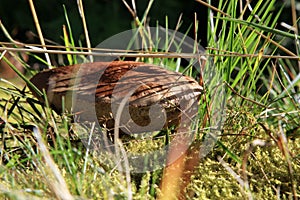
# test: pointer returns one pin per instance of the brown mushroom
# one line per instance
(100, 87)
(156, 98)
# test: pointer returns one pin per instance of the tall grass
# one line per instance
(257, 152)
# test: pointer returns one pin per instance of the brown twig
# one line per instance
(245, 98)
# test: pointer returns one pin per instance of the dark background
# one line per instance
(104, 17)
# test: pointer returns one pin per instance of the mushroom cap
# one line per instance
(149, 97)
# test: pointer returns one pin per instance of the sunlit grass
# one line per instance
(257, 153)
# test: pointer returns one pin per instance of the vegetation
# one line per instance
(256, 155)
